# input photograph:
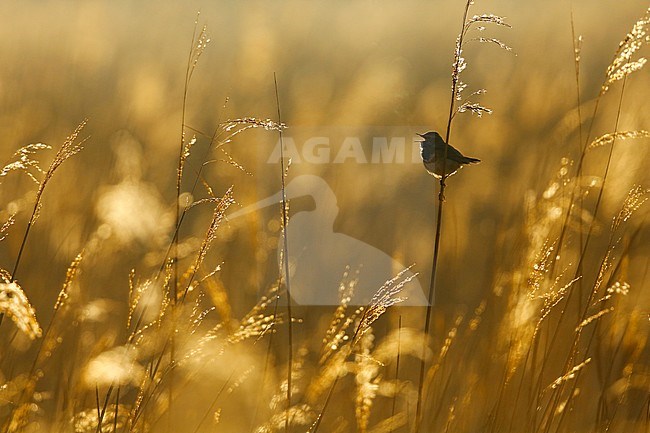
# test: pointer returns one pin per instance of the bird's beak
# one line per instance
(420, 135)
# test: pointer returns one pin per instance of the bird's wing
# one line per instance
(453, 154)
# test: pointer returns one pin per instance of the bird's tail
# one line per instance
(469, 160)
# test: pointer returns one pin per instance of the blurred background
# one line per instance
(359, 68)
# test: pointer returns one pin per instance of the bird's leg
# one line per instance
(441, 196)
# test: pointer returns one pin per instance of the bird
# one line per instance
(433, 151)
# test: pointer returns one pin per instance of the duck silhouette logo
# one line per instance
(319, 257)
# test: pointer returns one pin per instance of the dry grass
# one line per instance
(139, 307)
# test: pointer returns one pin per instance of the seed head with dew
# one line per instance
(367, 381)
(383, 299)
(70, 276)
(337, 334)
(14, 303)
(474, 24)
(636, 197)
(25, 162)
(624, 63)
(4, 229)
(608, 139)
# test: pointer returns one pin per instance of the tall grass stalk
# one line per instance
(385, 297)
(67, 149)
(398, 359)
(457, 88)
(441, 200)
(573, 353)
(51, 338)
(197, 46)
(577, 49)
(285, 256)
(213, 404)
(616, 71)
(622, 57)
(544, 360)
(621, 66)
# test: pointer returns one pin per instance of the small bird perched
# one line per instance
(433, 152)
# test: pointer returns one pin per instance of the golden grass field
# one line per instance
(131, 302)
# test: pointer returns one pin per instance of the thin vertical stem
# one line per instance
(179, 178)
(27, 230)
(399, 348)
(285, 261)
(550, 408)
(441, 199)
(581, 147)
(117, 408)
(181, 158)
